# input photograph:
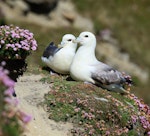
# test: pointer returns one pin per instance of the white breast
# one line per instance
(61, 61)
(81, 66)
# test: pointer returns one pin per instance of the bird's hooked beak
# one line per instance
(62, 43)
(77, 40)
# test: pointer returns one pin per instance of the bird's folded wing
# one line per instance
(107, 75)
(51, 50)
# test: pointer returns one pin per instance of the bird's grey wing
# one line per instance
(50, 50)
(105, 74)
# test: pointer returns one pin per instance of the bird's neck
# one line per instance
(86, 54)
(71, 47)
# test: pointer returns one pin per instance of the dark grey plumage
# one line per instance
(109, 78)
(107, 75)
(50, 50)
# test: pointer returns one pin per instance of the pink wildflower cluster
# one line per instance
(144, 114)
(16, 42)
(83, 102)
(87, 115)
(10, 115)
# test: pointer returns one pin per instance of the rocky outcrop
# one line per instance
(50, 13)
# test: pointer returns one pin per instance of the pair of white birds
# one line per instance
(82, 64)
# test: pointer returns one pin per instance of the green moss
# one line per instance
(65, 112)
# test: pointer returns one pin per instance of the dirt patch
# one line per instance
(30, 92)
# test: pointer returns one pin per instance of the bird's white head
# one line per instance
(68, 39)
(86, 38)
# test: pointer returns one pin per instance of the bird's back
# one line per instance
(50, 50)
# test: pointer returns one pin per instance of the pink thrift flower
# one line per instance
(17, 27)
(17, 39)
(13, 34)
(33, 48)
(134, 118)
(17, 45)
(77, 109)
(12, 45)
(34, 43)
(8, 100)
(16, 101)
(25, 48)
(22, 34)
(25, 118)
(3, 63)
(2, 41)
(9, 91)
(6, 71)
(15, 49)
(8, 45)
(7, 32)
(107, 133)
(8, 82)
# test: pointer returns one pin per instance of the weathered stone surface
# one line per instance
(48, 13)
(67, 15)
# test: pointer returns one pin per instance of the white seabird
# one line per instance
(85, 67)
(59, 58)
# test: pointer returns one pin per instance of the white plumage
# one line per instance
(59, 58)
(85, 67)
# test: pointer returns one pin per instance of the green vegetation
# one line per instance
(92, 111)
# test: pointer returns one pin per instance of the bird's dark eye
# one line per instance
(69, 40)
(86, 36)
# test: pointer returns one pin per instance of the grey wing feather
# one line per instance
(50, 50)
(107, 75)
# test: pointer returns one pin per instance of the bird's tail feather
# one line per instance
(114, 88)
